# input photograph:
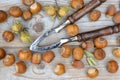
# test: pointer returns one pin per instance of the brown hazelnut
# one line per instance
(77, 4)
(59, 69)
(116, 17)
(3, 16)
(72, 29)
(111, 11)
(100, 42)
(8, 36)
(9, 60)
(77, 64)
(25, 55)
(36, 58)
(48, 56)
(28, 2)
(92, 72)
(15, 11)
(112, 66)
(27, 15)
(35, 8)
(78, 53)
(2, 53)
(66, 51)
(94, 15)
(21, 67)
(99, 54)
(116, 52)
(88, 45)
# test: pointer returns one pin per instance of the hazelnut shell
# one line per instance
(8, 36)
(116, 17)
(111, 11)
(28, 2)
(94, 15)
(77, 4)
(78, 64)
(2, 53)
(36, 58)
(59, 69)
(3, 16)
(92, 72)
(27, 15)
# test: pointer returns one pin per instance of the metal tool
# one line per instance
(71, 19)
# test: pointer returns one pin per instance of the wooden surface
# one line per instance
(7, 73)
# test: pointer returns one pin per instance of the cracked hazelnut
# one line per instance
(111, 11)
(66, 51)
(36, 58)
(100, 42)
(9, 60)
(21, 67)
(72, 29)
(2, 53)
(94, 15)
(59, 69)
(78, 53)
(48, 56)
(8, 36)
(112, 66)
(15, 11)
(28, 2)
(77, 4)
(3, 16)
(35, 8)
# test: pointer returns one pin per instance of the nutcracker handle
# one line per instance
(81, 12)
(98, 33)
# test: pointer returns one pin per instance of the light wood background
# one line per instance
(7, 73)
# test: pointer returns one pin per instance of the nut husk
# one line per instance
(78, 64)
(21, 67)
(15, 11)
(77, 4)
(27, 15)
(36, 58)
(59, 69)
(3, 16)
(94, 15)
(24, 55)
(28, 2)
(99, 54)
(78, 53)
(48, 56)
(66, 51)
(100, 42)
(92, 72)
(8, 36)
(112, 66)
(9, 60)
(35, 8)
(2, 53)
(72, 29)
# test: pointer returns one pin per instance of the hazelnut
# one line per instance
(28, 2)
(21, 67)
(48, 56)
(27, 15)
(36, 58)
(99, 54)
(77, 4)
(118, 40)
(35, 8)
(116, 52)
(78, 53)
(2, 53)
(3, 16)
(116, 17)
(59, 69)
(111, 11)
(8, 36)
(66, 51)
(72, 29)
(94, 15)
(9, 60)
(15, 11)
(88, 45)
(77, 64)
(92, 72)
(100, 42)
(112, 66)
(24, 55)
